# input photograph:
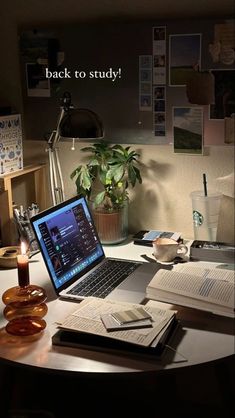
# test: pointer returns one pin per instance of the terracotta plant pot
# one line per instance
(112, 227)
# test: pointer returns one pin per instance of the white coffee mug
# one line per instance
(167, 249)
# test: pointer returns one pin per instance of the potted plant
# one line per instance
(104, 180)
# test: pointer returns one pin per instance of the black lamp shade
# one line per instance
(81, 123)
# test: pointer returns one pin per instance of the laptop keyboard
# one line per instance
(104, 279)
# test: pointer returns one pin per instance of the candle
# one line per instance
(23, 267)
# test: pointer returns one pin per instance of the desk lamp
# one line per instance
(72, 124)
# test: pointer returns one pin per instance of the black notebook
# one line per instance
(99, 343)
(85, 327)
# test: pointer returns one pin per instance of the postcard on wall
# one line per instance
(145, 82)
(11, 154)
(223, 48)
(159, 55)
(224, 105)
(184, 57)
(37, 83)
(188, 130)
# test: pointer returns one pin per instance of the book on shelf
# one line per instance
(144, 237)
(84, 328)
(11, 148)
(208, 289)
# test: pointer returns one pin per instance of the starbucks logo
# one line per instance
(197, 218)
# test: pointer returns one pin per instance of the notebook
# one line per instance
(76, 261)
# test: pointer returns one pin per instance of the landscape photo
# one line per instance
(185, 57)
(188, 130)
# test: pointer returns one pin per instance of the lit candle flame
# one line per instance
(23, 248)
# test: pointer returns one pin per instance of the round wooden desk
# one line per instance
(203, 337)
(42, 379)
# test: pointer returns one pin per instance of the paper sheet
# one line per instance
(87, 319)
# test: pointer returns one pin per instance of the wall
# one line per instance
(163, 200)
(101, 47)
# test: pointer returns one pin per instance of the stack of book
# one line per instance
(102, 324)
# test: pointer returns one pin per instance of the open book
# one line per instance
(196, 287)
(85, 328)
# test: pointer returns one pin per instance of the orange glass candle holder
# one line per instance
(25, 303)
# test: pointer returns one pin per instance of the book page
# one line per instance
(215, 273)
(212, 285)
(87, 319)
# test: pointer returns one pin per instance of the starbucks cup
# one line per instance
(205, 211)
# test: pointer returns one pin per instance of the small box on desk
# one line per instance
(220, 252)
(144, 237)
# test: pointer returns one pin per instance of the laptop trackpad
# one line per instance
(133, 289)
(140, 278)
(126, 296)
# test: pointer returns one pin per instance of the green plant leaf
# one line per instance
(85, 178)
(99, 198)
(118, 173)
(132, 175)
(93, 162)
(88, 149)
(74, 172)
(114, 166)
(138, 175)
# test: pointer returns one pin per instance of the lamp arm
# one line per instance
(61, 190)
(56, 179)
(55, 136)
(51, 175)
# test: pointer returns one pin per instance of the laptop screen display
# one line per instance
(68, 240)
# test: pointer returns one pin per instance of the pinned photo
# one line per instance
(159, 105)
(145, 61)
(145, 82)
(160, 130)
(159, 33)
(145, 101)
(145, 75)
(159, 118)
(159, 60)
(145, 88)
(159, 92)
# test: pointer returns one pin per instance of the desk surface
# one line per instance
(204, 337)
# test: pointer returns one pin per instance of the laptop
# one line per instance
(75, 258)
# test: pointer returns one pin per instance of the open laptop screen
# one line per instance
(68, 241)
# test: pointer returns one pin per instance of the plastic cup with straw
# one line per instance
(206, 207)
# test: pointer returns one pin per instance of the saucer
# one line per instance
(165, 263)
